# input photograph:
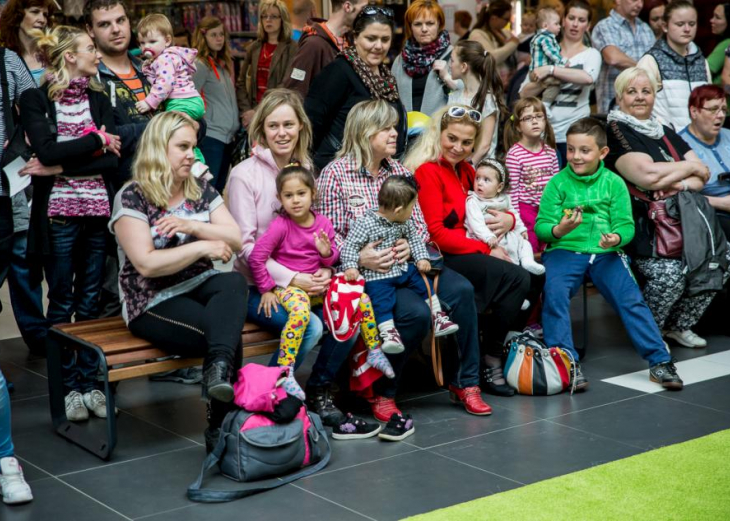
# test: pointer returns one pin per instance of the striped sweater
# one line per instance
(529, 172)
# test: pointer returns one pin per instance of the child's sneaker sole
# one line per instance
(355, 436)
(447, 331)
(393, 349)
(393, 437)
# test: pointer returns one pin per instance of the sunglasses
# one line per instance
(458, 112)
(372, 10)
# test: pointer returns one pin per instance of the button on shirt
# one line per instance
(616, 30)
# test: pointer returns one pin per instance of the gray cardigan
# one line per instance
(434, 97)
(221, 109)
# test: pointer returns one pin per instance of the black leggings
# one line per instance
(206, 321)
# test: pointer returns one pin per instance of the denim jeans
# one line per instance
(75, 271)
(6, 441)
(26, 299)
(276, 323)
(218, 158)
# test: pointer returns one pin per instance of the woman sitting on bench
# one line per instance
(170, 228)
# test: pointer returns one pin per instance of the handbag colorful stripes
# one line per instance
(535, 369)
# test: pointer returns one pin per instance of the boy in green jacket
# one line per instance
(585, 218)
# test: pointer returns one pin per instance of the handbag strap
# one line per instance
(671, 148)
(207, 495)
(7, 105)
(438, 368)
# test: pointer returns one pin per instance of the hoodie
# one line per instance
(171, 75)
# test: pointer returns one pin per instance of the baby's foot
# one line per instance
(533, 267)
(443, 325)
(377, 359)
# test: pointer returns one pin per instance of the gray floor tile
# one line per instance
(712, 393)
(27, 383)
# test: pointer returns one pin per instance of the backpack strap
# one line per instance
(206, 495)
(7, 106)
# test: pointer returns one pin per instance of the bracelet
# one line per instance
(685, 186)
(552, 70)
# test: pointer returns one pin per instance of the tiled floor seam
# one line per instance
(591, 433)
(333, 502)
(324, 472)
(481, 435)
(597, 406)
(25, 369)
(477, 468)
(92, 498)
(677, 398)
(152, 516)
(123, 462)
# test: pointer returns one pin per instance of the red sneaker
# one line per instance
(471, 397)
(383, 408)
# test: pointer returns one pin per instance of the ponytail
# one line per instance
(481, 63)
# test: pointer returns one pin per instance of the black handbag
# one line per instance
(436, 258)
(241, 147)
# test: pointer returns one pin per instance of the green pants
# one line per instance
(193, 107)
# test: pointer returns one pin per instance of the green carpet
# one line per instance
(688, 481)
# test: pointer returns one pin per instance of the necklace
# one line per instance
(267, 56)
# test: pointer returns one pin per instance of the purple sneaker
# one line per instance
(399, 427)
(353, 428)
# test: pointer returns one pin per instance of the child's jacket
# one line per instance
(606, 209)
(171, 75)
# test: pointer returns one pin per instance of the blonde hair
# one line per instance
(366, 119)
(52, 47)
(285, 30)
(155, 22)
(151, 168)
(428, 146)
(628, 76)
(512, 132)
(201, 44)
(272, 100)
(545, 14)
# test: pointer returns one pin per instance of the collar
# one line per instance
(620, 18)
(697, 140)
(264, 155)
(692, 50)
(586, 178)
(136, 64)
(385, 164)
(381, 219)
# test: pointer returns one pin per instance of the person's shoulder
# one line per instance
(429, 168)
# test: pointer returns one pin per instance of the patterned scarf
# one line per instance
(418, 60)
(651, 127)
(75, 92)
(381, 87)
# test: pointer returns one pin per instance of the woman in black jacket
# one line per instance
(357, 74)
(69, 123)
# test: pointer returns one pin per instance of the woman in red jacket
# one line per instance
(445, 179)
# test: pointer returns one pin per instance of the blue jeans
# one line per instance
(6, 441)
(218, 158)
(610, 272)
(276, 323)
(382, 292)
(562, 150)
(75, 272)
(26, 299)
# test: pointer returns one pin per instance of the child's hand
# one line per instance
(493, 241)
(351, 274)
(609, 240)
(269, 300)
(142, 107)
(423, 266)
(525, 236)
(322, 243)
(570, 221)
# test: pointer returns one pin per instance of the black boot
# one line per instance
(217, 381)
(487, 379)
(319, 400)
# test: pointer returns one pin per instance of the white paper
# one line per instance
(17, 182)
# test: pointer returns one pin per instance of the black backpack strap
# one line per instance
(205, 495)
(7, 105)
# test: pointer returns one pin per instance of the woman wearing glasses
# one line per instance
(357, 74)
(267, 58)
(445, 178)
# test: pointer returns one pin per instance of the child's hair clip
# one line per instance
(512, 117)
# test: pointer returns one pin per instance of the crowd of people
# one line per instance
(476, 159)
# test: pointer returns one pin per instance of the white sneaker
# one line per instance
(12, 483)
(95, 401)
(533, 267)
(75, 409)
(525, 305)
(687, 338)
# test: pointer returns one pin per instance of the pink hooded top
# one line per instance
(171, 75)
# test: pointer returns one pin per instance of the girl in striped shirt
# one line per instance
(531, 160)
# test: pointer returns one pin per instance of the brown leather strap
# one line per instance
(438, 369)
(671, 148)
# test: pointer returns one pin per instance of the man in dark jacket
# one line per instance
(320, 42)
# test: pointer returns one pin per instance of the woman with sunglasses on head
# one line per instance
(267, 58)
(357, 74)
(445, 179)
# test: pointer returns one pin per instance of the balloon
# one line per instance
(417, 120)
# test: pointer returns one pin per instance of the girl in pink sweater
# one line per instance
(302, 241)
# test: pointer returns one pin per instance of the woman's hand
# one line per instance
(609, 240)
(378, 260)
(307, 282)
(500, 253)
(503, 223)
(217, 250)
(246, 118)
(170, 225)
(35, 167)
(402, 251)
(268, 302)
(540, 73)
(322, 243)
(113, 143)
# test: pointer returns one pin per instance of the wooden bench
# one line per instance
(121, 356)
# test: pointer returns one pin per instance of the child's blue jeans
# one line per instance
(382, 292)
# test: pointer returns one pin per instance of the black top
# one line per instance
(418, 88)
(622, 139)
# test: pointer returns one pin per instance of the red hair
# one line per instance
(420, 7)
(705, 93)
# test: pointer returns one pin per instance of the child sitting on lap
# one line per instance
(585, 217)
(386, 225)
(545, 50)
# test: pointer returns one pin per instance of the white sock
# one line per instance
(435, 304)
(385, 326)
(525, 305)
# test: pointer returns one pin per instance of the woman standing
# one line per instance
(573, 101)
(489, 30)
(214, 80)
(677, 64)
(18, 21)
(653, 13)
(357, 74)
(267, 58)
(71, 204)
(721, 29)
(420, 69)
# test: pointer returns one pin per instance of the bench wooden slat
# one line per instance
(134, 371)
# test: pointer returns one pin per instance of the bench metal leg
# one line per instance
(81, 434)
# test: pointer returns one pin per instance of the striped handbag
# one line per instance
(533, 368)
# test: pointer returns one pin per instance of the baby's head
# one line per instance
(154, 33)
(548, 18)
(491, 179)
(397, 197)
(529, 22)
(296, 190)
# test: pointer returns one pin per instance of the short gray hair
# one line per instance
(628, 76)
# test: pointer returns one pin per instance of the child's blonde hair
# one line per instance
(155, 22)
(512, 132)
(544, 15)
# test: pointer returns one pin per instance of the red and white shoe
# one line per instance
(442, 324)
(383, 408)
(392, 343)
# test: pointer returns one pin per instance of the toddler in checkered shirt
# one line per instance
(545, 50)
(386, 225)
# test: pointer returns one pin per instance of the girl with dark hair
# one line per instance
(481, 89)
(489, 30)
(721, 30)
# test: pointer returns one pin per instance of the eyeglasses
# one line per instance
(88, 50)
(533, 117)
(270, 17)
(458, 112)
(721, 109)
(372, 10)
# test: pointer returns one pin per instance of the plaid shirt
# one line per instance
(373, 227)
(545, 50)
(615, 30)
(347, 191)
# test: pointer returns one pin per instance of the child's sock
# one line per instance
(392, 343)
(533, 267)
(525, 305)
(495, 364)
(291, 386)
(379, 361)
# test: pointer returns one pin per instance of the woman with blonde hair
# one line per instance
(69, 124)
(267, 58)
(170, 228)
(214, 80)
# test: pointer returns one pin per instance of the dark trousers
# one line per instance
(6, 235)
(218, 158)
(382, 292)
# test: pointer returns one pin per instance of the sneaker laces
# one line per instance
(97, 398)
(76, 400)
(388, 406)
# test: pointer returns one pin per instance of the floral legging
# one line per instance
(298, 304)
